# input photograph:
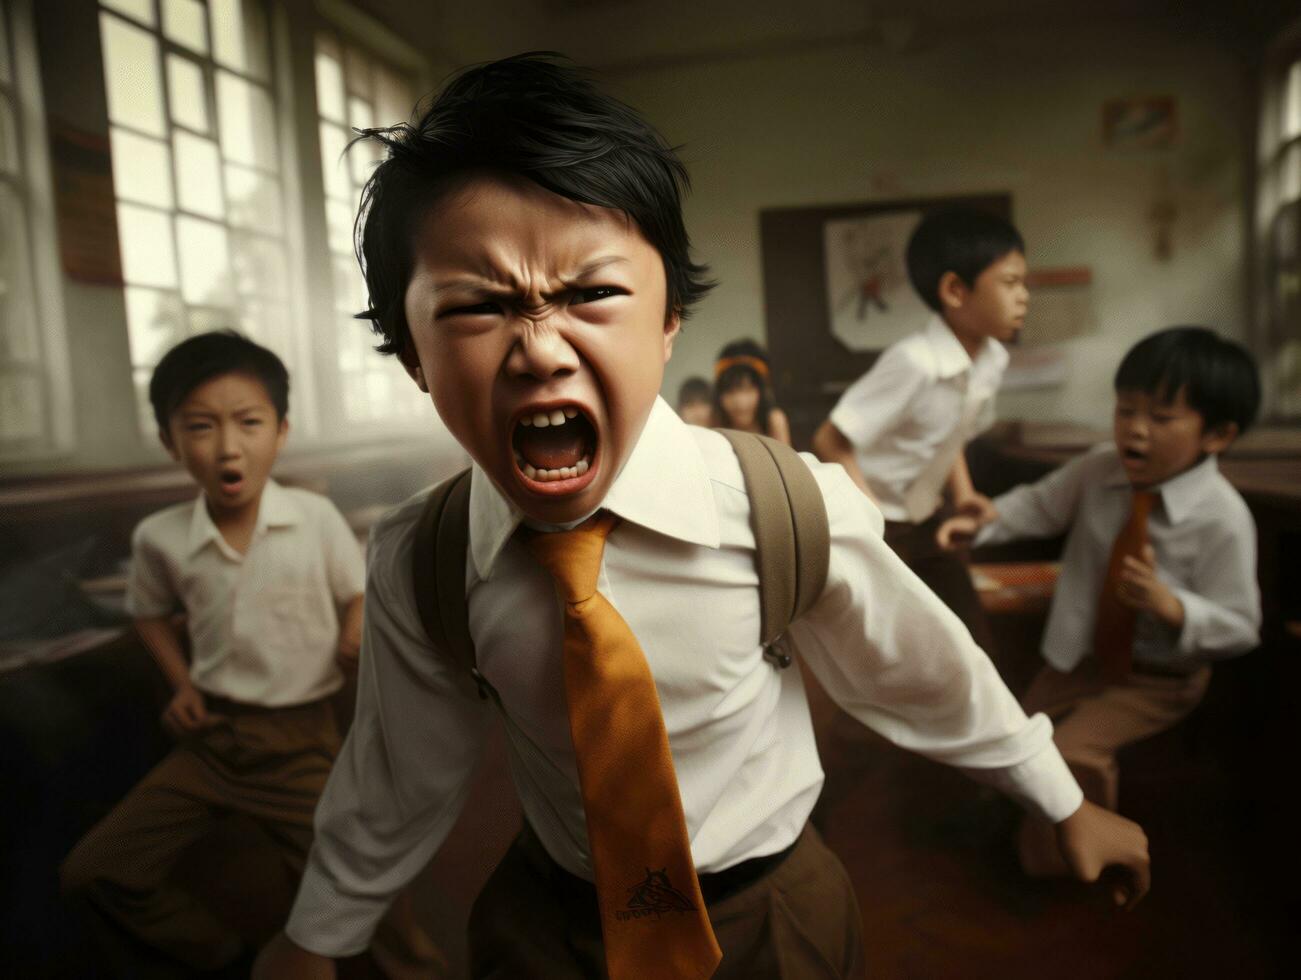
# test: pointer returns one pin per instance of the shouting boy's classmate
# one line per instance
(900, 430)
(526, 259)
(259, 571)
(1159, 572)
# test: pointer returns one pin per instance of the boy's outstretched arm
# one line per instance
(831, 446)
(966, 498)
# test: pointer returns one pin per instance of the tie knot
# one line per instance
(573, 557)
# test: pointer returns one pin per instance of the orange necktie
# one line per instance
(653, 917)
(1113, 634)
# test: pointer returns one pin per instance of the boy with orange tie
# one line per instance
(527, 261)
(1159, 572)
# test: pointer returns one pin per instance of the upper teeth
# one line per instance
(556, 416)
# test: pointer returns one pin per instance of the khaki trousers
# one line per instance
(1093, 719)
(798, 921)
(268, 764)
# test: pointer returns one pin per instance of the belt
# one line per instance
(217, 704)
(715, 886)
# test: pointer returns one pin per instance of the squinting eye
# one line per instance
(594, 293)
(478, 309)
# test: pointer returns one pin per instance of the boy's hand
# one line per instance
(346, 657)
(956, 531)
(1093, 839)
(283, 959)
(979, 506)
(186, 713)
(1142, 591)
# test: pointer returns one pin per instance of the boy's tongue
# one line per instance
(552, 447)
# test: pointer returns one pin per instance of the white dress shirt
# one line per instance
(263, 625)
(1205, 543)
(906, 408)
(680, 568)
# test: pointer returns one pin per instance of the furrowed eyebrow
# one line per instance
(488, 287)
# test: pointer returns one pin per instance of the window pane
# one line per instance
(349, 287)
(358, 72)
(186, 23)
(141, 10)
(198, 175)
(5, 71)
(142, 168)
(245, 115)
(148, 258)
(360, 115)
(334, 142)
(18, 327)
(22, 407)
(1292, 102)
(393, 98)
(239, 36)
(8, 137)
(329, 79)
(268, 323)
(259, 265)
(338, 219)
(155, 323)
(253, 200)
(205, 262)
(202, 320)
(185, 93)
(362, 158)
(135, 92)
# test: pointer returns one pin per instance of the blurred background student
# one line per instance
(743, 396)
(696, 401)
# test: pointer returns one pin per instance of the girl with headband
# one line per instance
(743, 392)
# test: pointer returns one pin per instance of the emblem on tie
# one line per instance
(654, 895)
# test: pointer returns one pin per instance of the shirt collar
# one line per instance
(664, 487)
(275, 509)
(1179, 494)
(951, 358)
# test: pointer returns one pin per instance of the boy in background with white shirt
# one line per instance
(527, 261)
(1159, 572)
(259, 572)
(900, 429)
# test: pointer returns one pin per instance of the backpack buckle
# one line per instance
(777, 652)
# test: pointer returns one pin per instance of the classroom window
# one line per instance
(357, 90)
(1279, 224)
(34, 412)
(197, 175)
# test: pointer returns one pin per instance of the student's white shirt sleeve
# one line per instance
(1222, 608)
(402, 776)
(893, 656)
(149, 591)
(874, 404)
(1039, 510)
(345, 567)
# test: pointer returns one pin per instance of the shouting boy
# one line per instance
(526, 259)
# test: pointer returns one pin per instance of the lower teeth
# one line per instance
(550, 476)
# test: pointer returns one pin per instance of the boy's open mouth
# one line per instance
(1133, 457)
(554, 448)
(232, 481)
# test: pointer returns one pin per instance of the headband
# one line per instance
(754, 363)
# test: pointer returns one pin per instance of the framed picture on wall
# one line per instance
(836, 293)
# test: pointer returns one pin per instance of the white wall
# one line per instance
(1006, 111)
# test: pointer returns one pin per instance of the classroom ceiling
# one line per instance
(627, 34)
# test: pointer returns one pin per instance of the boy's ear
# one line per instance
(672, 326)
(283, 433)
(1218, 439)
(165, 438)
(411, 364)
(952, 291)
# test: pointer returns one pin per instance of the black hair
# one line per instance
(727, 377)
(1218, 376)
(694, 389)
(963, 241)
(207, 355)
(532, 116)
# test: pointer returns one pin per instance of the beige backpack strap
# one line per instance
(438, 573)
(792, 538)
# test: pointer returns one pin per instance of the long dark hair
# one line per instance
(740, 361)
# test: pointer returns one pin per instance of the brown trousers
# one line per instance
(268, 764)
(798, 921)
(1094, 719)
(945, 573)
